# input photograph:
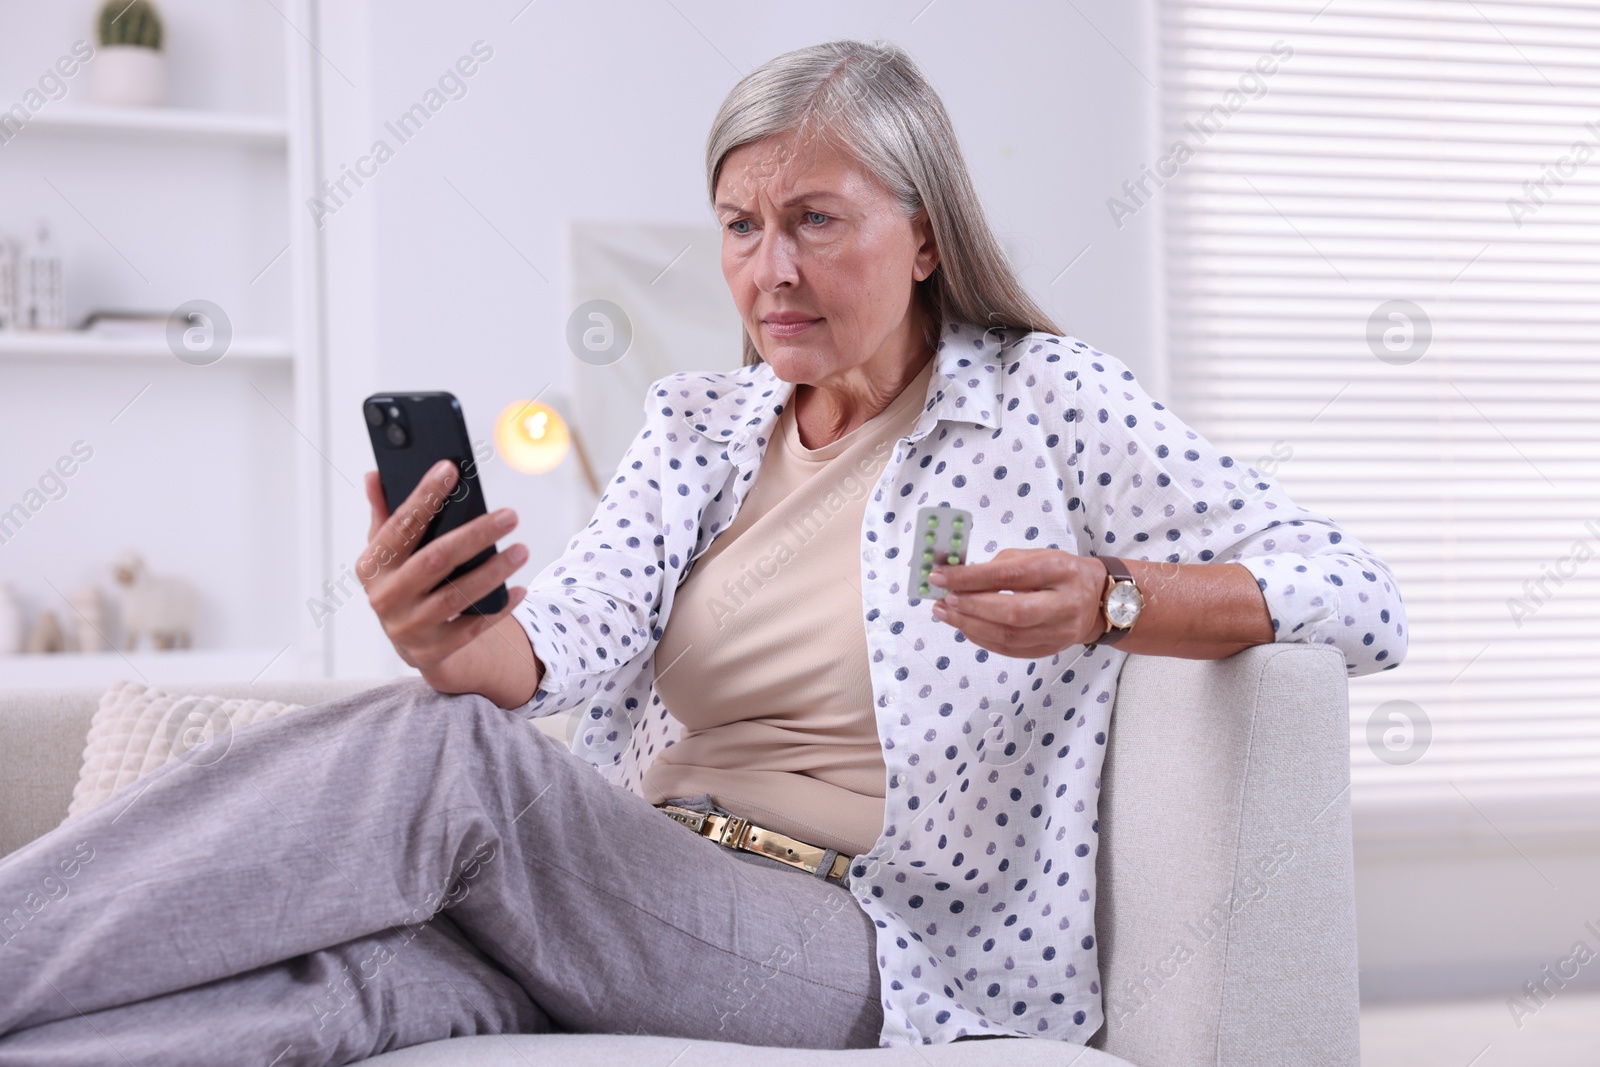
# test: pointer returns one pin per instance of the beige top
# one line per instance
(764, 655)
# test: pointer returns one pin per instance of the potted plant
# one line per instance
(129, 71)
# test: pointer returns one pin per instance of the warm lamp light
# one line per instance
(533, 438)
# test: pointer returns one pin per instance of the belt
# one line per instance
(734, 831)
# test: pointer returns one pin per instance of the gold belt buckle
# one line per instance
(694, 820)
(735, 831)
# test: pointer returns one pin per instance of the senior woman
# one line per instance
(833, 813)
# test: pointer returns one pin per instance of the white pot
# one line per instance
(12, 626)
(126, 75)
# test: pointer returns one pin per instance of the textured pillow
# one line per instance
(137, 729)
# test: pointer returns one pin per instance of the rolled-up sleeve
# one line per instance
(592, 614)
(1149, 487)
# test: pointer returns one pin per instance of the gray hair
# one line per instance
(872, 102)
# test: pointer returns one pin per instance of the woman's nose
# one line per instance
(775, 262)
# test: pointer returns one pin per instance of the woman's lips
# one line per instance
(790, 329)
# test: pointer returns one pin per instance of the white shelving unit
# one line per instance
(81, 345)
(193, 666)
(178, 123)
(218, 180)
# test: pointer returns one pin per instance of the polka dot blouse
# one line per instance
(982, 883)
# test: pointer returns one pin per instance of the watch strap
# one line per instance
(1115, 568)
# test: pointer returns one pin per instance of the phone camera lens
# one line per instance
(374, 415)
(396, 434)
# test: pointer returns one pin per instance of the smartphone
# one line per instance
(410, 433)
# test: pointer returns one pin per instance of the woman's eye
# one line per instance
(739, 222)
(820, 217)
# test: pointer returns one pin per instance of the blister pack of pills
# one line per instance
(941, 537)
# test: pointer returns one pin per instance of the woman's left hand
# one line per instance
(1054, 600)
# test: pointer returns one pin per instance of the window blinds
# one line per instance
(1383, 282)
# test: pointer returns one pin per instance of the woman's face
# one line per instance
(821, 262)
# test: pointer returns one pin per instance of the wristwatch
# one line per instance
(1122, 603)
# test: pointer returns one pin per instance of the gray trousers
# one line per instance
(397, 867)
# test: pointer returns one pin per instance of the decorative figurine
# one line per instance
(40, 294)
(10, 309)
(46, 634)
(89, 618)
(12, 625)
(160, 606)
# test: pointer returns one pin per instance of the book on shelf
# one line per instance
(142, 325)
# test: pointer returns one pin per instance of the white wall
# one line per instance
(1450, 919)
(600, 111)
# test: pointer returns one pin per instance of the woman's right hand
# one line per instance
(426, 626)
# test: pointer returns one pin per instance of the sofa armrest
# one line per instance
(41, 749)
(1226, 911)
(42, 735)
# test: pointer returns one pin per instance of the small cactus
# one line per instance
(130, 22)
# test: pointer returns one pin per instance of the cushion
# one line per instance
(137, 729)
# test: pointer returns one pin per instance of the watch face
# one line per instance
(1123, 604)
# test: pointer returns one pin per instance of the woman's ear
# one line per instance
(927, 257)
